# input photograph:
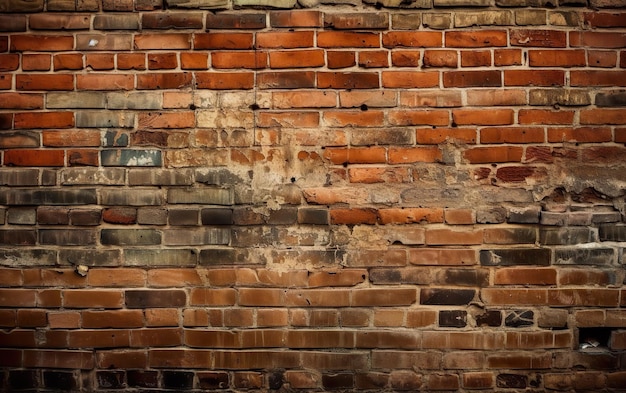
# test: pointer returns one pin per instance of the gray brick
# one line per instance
(134, 100)
(85, 217)
(19, 177)
(21, 6)
(130, 237)
(183, 216)
(283, 216)
(524, 215)
(408, 21)
(462, 3)
(564, 97)
(2, 215)
(131, 197)
(313, 216)
(18, 237)
(90, 257)
(495, 215)
(585, 256)
(13, 23)
(22, 216)
(516, 256)
(611, 98)
(67, 237)
(152, 258)
(107, 42)
(152, 216)
(92, 176)
(30, 257)
(116, 22)
(437, 21)
(115, 139)
(109, 119)
(216, 216)
(204, 195)
(265, 3)
(553, 218)
(564, 18)
(485, 18)
(219, 4)
(48, 197)
(605, 217)
(402, 3)
(196, 236)
(160, 177)
(612, 232)
(565, 236)
(230, 256)
(127, 157)
(19, 139)
(530, 17)
(49, 177)
(75, 100)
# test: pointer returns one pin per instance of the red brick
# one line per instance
(483, 117)
(374, 59)
(440, 135)
(68, 61)
(340, 59)
(347, 39)
(605, 19)
(472, 78)
(105, 82)
(36, 62)
(24, 157)
(475, 39)
(9, 62)
(541, 116)
(132, 359)
(223, 41)
(597, 39)
(534, 77)
(21, 101)
(597, 78)
(406, 58)
(602, 116)
(162, 61)
(6, 81)
(347, 80)
(41, 43)
(525, 276)
(475, 58)
(412, 39)
(120, 215)
(410, 215)
(59, 138)
(150, 120)
(353, 216)
(194, 61)
(132, 61)
(44, 120)
(557, 58)
(512, 135)
(112, 319)
(46, 82)
(239, 59)
(371, 155)
(162, 41)
(285, 80)
(212, 297)
(414, 154)
(420, 117)
(486, 155)
(174, 80)
(353, 118)
(92, 299)
(584, 297)
(296, 59)
(59, 359)
(539, 38)
(304, 18)
(293, 39)
(440, 58)
(161, 317)
(507, 57)
(410, 79)
(601, 59)
(384, 297)
(100, 61)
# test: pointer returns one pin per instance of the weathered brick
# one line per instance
(132, 237)
(512, 257)
(207, 196)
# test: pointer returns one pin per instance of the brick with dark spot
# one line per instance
(155, 298)
(453, 318)
(515, 256)
(446, 297)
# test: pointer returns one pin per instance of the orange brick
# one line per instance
(371, 155)
(484, 155)
(345, 39)
(475, 39)
(239, 59)
(441, 58)
(483, 117)
(36, 62)
(162, 61)
(41, 43)
(540, 116)
(34, 157)
(45, 82)
(105, 82)
(68, 61)
(193, 61)
(296, 58)
(410, 215)
(414, 154)
(294, 39)
(100, 61)
(410, 79)
(422, 39)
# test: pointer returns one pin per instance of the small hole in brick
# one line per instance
(192, 107)
(453, 124)
(293, 179)
(364, 107)
(596, 337)
(254, 106)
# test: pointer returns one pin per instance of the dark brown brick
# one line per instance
(155, 298)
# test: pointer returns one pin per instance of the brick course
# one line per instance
(350, 195)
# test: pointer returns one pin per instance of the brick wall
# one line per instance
(321, 195)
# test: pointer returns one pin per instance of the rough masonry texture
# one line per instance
(312, 195)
